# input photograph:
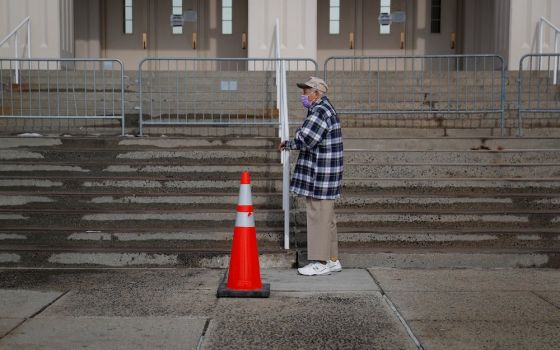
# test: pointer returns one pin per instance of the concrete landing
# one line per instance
(106, 333)
(376, 308)
(477, 309)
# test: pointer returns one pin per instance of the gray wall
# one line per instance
(483, 27)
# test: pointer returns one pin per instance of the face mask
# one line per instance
(304, 99)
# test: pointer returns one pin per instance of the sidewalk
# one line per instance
(177, 309)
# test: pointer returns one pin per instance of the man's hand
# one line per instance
(281, 146)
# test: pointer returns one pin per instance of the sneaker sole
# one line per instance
(316, 274)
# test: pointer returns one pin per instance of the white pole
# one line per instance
(555, 79)
(28, 37)
(282, 104)
(286, 198)
(17, 61)
(277, 56)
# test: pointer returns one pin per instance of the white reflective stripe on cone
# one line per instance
(245, 219)
(245, 195)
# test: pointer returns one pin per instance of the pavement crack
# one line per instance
(13, 328)
(35, 314)
(397, 313)
(545, 300)
(204, 330)
(47, 305)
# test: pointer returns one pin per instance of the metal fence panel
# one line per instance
(215, 91)
(412, 85)
(58, 94)
(537, 92)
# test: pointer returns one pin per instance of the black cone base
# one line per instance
(225, 292)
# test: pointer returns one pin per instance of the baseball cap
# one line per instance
(314, 83)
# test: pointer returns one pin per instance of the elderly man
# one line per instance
(318, 176)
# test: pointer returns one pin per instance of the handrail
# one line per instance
(542, 22)
(14, 32)
(284, 133)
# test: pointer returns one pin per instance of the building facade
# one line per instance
(131, 30)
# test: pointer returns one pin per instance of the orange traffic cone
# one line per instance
(244, 277)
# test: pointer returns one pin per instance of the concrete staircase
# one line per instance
(419, 199)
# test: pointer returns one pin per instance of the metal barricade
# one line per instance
(536, 91)
(216, 91)
(418, 85)
(61, 94)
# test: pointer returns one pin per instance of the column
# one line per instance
(298, 28)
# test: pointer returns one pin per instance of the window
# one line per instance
(127, 14)
(227, 16)
(436, 16)
(177, 9)
(385, 8)
(334, 17)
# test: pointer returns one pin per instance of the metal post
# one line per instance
(140, 110)
(502, 96)
(286, 156)
(278, 102)
(28, 38)
(17, 59)
(539, 47)
(555, 78)
(122, 97)
(519, 92)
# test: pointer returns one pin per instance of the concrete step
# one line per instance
(222, 172)
(272, 238)
(403, 185)
(352, 258)
(377, 139)
(245, 155)
(142, 237)
(114, 258)
(431, 258)
(445, 219)
(227, 156)
(36, 200)
(464, 238)
(128, 218)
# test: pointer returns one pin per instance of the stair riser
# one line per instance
(372, 157)
(211, 259)
(274, 240)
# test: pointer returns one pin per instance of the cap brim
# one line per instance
(303, 86)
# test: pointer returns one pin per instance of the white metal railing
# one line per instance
(284, 133)
(543, 21)
(26, 21)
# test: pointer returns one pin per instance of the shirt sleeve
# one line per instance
(310, 134)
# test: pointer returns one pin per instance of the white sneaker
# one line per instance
(314, 269)
(334, 266)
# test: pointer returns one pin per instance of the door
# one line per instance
(136, 29)
(352, 28)
(378, 39)
(126, 31)
(231, 33)
(176, 41)
(436, 27)
(336, 29)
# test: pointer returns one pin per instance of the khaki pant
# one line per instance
(322, 241)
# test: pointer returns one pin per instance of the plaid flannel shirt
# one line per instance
(319, 167)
